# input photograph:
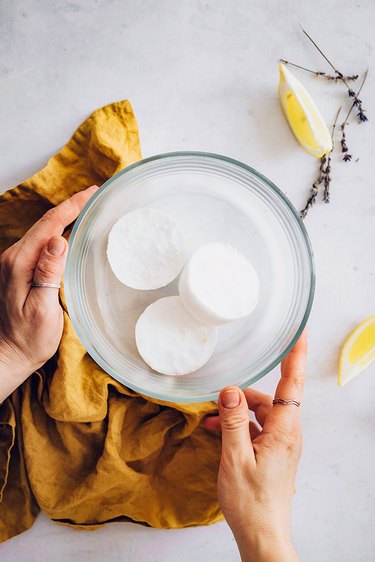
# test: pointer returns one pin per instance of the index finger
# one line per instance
(54, 222)
(290, 387)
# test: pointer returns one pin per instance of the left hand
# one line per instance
(31, 318)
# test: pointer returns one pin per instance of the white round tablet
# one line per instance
(170, 340)
(146, 249)
(219, 284)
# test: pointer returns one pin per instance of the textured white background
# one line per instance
(203, 75)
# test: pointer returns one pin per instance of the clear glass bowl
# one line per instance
(214, 199)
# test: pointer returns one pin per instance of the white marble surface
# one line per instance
(202, 75)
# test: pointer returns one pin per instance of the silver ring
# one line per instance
(47, 285)
(286, 402)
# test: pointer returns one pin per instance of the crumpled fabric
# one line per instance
(74, 442)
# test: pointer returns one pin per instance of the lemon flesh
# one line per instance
(358, 351)
(303, 116)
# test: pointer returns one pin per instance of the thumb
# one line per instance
(50, 269)
(234, 418)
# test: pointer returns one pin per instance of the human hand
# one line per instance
(31, 318)
(258, 465)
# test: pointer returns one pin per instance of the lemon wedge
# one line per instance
(357, 352)
(303, 116)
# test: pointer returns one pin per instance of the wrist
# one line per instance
(265, 547)
(14, 370)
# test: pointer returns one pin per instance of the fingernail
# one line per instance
(230, 398)
(56, 246)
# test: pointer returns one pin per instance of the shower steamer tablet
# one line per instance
(146, 249)
(219, 285)
(170, 340)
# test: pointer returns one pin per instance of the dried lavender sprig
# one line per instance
(361, 113)
(350, 78)
(309, 203)
(335, 78)
(327, 181)
(323, 177)
(315, 188)
(344, 147)
(358, 103)
(357, 94)
(327, 177)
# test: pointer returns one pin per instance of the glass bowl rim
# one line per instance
(210, 155)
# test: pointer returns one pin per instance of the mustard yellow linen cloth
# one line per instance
(74, 442)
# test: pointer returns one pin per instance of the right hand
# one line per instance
(258, 466)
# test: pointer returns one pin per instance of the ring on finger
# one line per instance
(47, 285)
(286, 402)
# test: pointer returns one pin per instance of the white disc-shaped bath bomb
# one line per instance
(146, 249)
(170, 340)
(219, 285)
